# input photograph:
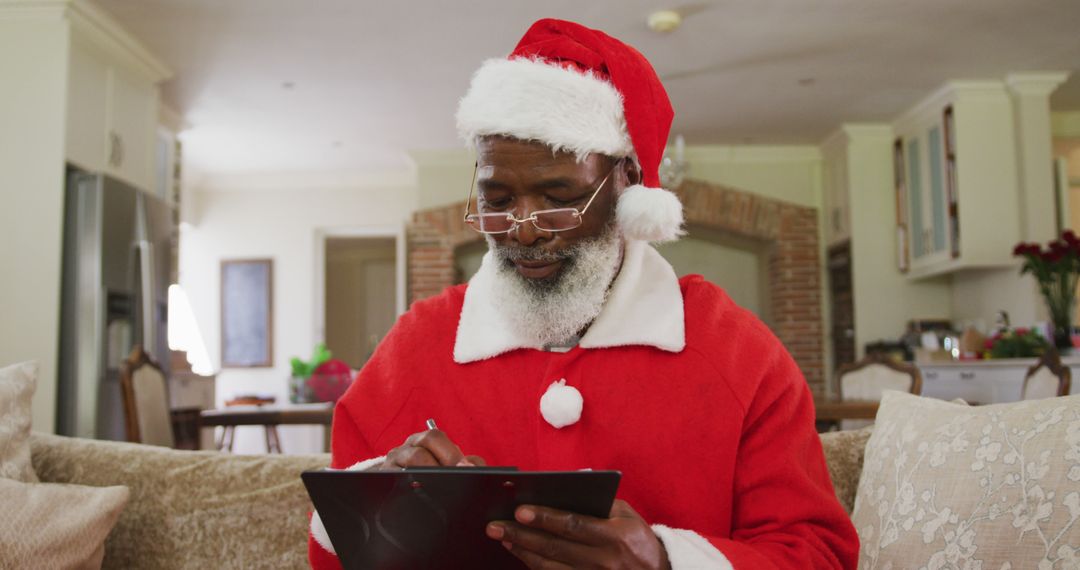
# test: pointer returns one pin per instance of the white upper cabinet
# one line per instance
(112, 99)
(87, 100)
(955, 175)
(132, 116)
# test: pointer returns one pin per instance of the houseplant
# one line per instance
(321, 379)
(1015, 343)
(1056, 269)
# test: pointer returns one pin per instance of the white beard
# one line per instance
(553, 311)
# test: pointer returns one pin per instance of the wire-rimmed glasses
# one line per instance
(554, 220)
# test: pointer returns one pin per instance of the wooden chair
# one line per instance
(868, 378)
(1047, 379)
(146, 401)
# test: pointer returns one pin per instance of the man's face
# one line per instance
(522, 177)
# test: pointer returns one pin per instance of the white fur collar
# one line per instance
(645, 308)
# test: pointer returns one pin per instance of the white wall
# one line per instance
(787, 173)
(276, 217)
(33, 68)
(442, 176)
(885, 299)
(738, 266)
(978, 295)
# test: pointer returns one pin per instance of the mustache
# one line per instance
(522, 253)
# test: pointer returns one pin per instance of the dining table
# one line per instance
(268, 415)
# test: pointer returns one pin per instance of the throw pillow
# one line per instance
(50, 525)
(16, 391)
(946, 485)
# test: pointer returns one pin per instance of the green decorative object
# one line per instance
(1017, 343)
(299, 390)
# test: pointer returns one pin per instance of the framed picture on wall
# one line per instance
(247, 314)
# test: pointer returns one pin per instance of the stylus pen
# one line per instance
(431, 424)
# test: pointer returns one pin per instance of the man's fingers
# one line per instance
(572, 526)
(410, 456)
(534, 561)
(446, 452)
(534, 546)
(622, 509)
(476, 460)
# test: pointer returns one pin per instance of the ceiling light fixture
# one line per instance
(664, 21)
(673, 169)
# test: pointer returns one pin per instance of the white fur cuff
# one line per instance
(688, 550)
(318, 531)
(529, 99)
(649, 214)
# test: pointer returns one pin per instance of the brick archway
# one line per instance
(790, 232)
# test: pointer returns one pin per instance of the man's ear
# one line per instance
(631, 172)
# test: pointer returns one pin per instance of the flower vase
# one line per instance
(1061, 309)
(299, 390)
(1062, 337)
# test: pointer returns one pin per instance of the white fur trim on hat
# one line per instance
(561, 404)
(530, 99)
(649, 214)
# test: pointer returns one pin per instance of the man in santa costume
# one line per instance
(576, 346)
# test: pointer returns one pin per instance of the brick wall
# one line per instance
(791, 232)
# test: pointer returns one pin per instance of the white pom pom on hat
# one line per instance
(561, 405)
(649, 214)
(579, 90)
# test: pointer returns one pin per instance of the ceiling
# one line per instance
(351, 86)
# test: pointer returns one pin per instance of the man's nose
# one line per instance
(526, 233)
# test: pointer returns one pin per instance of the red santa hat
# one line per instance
(579, 90)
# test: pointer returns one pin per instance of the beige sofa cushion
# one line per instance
(16, 391)
(945, 485)
(844, 456)
(56, 526)
(191, 509)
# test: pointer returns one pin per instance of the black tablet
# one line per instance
(435, 518)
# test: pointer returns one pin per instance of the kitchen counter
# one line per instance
(1069, 361)
(991, 381)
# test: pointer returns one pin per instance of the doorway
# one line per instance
(360, 295)
(841, 295)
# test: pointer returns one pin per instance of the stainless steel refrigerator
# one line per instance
(117, 260)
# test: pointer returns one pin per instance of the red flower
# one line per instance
(1053, 256)
(1027, 249)
(1070, 238)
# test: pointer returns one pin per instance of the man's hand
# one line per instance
(549, 538)
(429, 448)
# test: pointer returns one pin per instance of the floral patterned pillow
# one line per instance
(946, 485)
(17, 384)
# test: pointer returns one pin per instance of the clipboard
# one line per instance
(426, 518)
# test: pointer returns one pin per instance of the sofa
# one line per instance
(205, 509)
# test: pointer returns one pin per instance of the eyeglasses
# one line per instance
(555, 220)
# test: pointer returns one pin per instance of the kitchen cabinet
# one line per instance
(955, 172)
(112, 101)
(986, 381)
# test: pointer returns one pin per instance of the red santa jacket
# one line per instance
(688, 395)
